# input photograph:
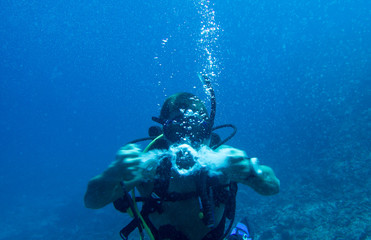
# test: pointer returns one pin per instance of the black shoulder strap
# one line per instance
(163, 173)
(231, 205)
(160, 188)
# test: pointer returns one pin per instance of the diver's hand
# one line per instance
(106, 188)
(238, 166)
(148, 165)
(132, 164)
(126, 167)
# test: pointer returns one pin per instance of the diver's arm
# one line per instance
(263, 182)
(259, 177)
(239, 168)
(106, 188)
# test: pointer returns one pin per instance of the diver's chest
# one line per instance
(182, 184)
(177, 184)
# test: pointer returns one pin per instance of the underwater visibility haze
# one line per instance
(79, 79)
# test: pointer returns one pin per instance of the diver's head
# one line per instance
(184, 118)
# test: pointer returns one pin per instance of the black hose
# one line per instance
(213, 99)
(207, 200)
(226, 139)
(141, 140)
(132, 207)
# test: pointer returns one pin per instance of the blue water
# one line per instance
(81, 78)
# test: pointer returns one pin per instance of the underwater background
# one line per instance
(79, 79)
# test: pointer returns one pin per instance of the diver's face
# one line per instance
(187, 126)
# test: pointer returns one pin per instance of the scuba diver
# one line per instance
(186, 177)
